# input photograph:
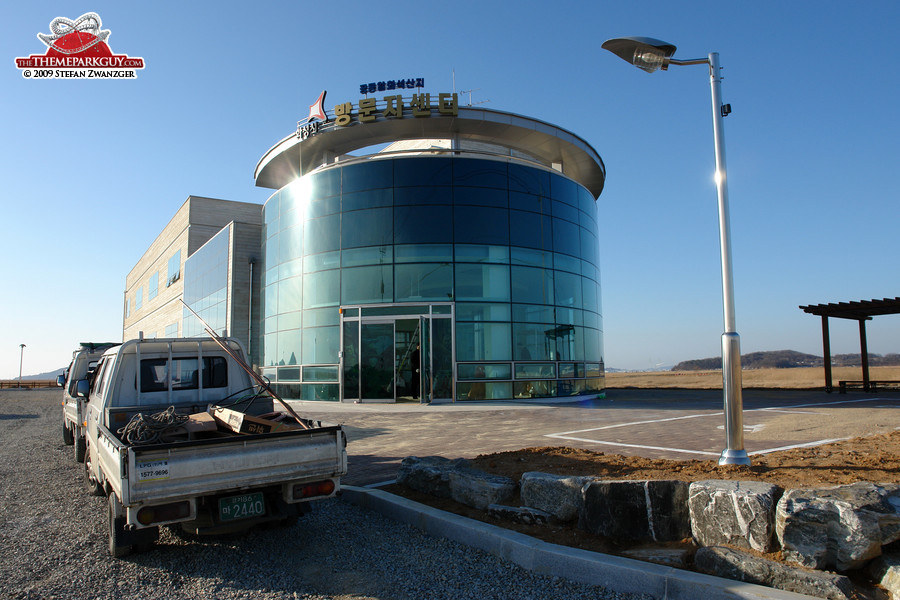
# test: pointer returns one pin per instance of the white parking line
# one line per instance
(568, 435)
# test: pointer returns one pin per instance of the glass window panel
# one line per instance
(270, 325)
(371, 227)
(321, 235)
(290, 294)
(423, 224)
(153, 286)
(482, 341)
(367, 285)
(570, 387)
(533, 313)
(319, 207)
(481, 173)
(589, 270)
(530, 230)
(593, 344)
(532, 285)
(472, 311)
(314, 374)
(321, 289)
(536, 370)
(476, 390)
(565, 211)
(288, 347)
(482, 254)
(326, 183)
(351, 312)
(390, 311)
(270, 345)
(291, 218)
(523, 178)
(423, 195)
(592, 370)
(591, 319)
(368, 175)
(291, 320)
(322, 392)
(484, 371)
(591, 293)
(566, 237)
(321, 345)
(367, 199)
(321, 262)
(351, 359)
(289, 269)
(320, 317)
(530, 203)
(563, 189)
(373, 255)
(420, 282)
(566, 370)
(482, 282)
(287, 391)
(445, 309)
(534, 389)
(289, 374)
(590, 249)
(270, 208)
(567, 288)
(586, 202)
(587, 221)
(481, 225)
(423, 253)
(424, 171)
(270, 300)
(531, 257)
(480, 196)
(570, 342)
(563, 262)
(534, 341)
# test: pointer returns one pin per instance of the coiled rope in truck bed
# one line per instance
(143, 430)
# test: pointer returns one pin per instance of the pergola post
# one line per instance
(826, 348)
(864, 353)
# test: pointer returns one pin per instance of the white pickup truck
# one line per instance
(227, 466)
(84, 361)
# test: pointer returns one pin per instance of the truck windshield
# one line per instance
(184, 374)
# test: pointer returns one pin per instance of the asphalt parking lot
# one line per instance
(673, 424)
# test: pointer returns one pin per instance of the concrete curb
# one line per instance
(612, 572)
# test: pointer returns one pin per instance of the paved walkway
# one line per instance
(674, 424)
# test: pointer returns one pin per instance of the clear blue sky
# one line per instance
(92, 170)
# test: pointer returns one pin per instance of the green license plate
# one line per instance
(241, 507)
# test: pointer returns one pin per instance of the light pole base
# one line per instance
(734, 457)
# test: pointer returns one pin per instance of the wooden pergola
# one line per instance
(860, 311)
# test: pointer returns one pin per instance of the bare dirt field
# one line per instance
(806, 378)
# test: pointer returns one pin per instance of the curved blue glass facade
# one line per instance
(432, 277)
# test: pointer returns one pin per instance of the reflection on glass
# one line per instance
(535, 370)
(482, 341)
(482, 311)
(478, 390)
(534, 389)
(367, 285)
(427, 282)
(377, 361)
(484, 371)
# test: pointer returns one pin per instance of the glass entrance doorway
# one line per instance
(397, 353)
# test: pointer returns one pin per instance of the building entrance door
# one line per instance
(392, 357)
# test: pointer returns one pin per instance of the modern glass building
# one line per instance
(459, 263)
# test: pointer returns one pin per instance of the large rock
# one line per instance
(738, 513)
(559, 495)
(885, 571)
(479, 489)
(734, 564)
(429, 474)
(636, 511)
(840, 527)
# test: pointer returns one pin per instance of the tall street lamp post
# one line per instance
(649, 55)
(21, 356)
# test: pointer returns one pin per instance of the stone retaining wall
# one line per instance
(841, 528)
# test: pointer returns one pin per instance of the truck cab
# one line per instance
(84, 362)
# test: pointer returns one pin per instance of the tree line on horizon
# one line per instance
(787, 359)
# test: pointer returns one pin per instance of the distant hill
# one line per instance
(48, 376)
(786, 359)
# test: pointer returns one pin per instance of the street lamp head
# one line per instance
(645, 53)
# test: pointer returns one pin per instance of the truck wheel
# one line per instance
(117, 529)
(79, 446)
(93, 487)
(68, 437)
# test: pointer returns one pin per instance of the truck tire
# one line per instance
(79, 447)
(68, 436)
(93, 486)
(117, 528)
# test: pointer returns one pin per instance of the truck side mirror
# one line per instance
(60, 380)
(82, 388)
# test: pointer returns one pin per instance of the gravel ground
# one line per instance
(53, 543)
